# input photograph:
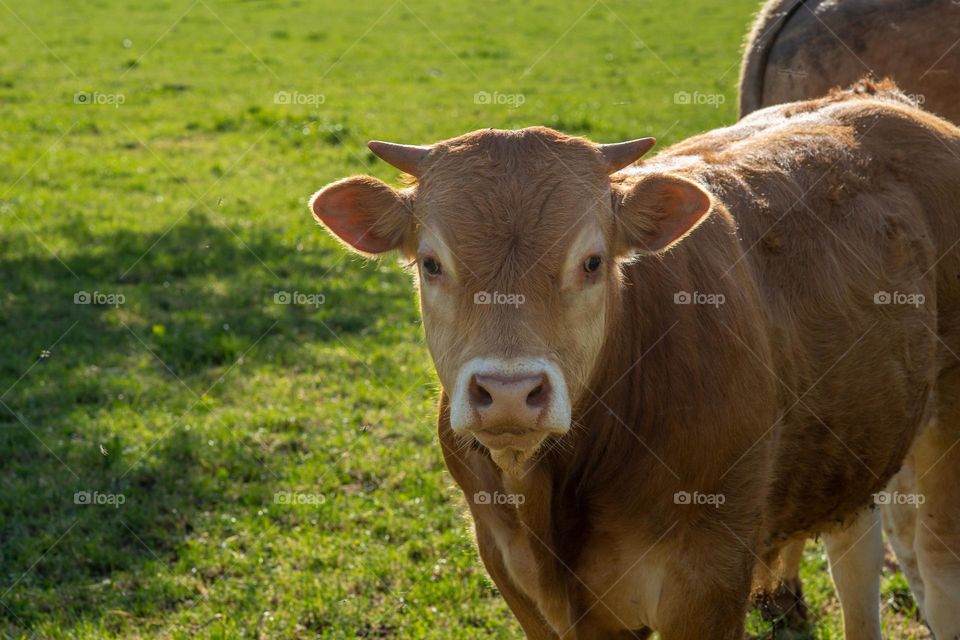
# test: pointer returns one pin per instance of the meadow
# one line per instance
(213, 422)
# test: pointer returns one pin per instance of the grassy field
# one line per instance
(213, 423)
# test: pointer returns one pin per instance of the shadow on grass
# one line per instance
(83, 385)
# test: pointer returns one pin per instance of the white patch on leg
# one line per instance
(900, 522)
(856, 559)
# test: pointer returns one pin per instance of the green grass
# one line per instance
(180, 184)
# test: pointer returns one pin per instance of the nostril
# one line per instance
(479, 396)
(539, 395)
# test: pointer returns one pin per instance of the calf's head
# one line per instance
(518, 239)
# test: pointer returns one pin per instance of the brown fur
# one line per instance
(800, 49)
(795, 399)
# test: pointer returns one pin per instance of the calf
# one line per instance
(655, 376)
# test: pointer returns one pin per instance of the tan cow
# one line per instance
(800, 50)
(656, 376)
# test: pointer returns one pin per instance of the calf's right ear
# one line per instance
(656, 210)
(367, 215)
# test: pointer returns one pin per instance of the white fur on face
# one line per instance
(585, 318)
(588, 242)
(438, 314)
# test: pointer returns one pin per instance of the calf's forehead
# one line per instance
(514, 212)
(514, 229)
(526, 169)
(507, 204)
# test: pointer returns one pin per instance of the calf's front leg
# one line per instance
(702, 600)
(525, 610)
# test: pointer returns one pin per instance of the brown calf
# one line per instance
(653, 380)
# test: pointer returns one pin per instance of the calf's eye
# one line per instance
(431, 267)
(592, 264)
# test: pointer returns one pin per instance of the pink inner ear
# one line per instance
(684, 205)
(341, 209)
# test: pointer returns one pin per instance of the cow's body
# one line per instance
(800, 49)
(796, 399)
(672, 419)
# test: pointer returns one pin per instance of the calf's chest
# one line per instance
(614, 581)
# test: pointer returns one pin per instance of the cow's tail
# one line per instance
(771, 20)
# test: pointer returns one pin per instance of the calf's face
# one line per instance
(517, 238)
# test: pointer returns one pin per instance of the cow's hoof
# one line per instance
(785, 607)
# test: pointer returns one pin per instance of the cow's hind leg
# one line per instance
(937, 542)
(900, 522)
(856, 559)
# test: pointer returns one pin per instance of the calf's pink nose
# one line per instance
(509, 402)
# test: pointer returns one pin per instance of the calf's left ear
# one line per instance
(366, 214)
(654, 212)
